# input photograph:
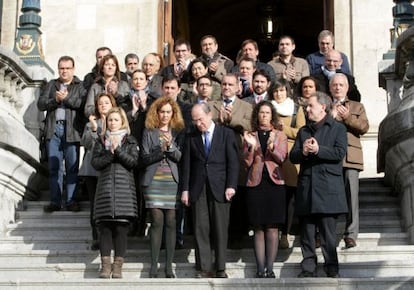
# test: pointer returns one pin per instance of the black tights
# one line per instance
(158, 216)
(266, 241)
(113, 235)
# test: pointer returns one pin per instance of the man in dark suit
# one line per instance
(211, 163)
(319, 149)
(235, 114)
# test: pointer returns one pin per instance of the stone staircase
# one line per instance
(51, 251)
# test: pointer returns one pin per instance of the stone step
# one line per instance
(38, 206)
(375, 190)
(57, 229)
(366, 212)
(59, 215)
(76, 243)
(370, 283)
(359, 254)
(236, 270)
(378, 199)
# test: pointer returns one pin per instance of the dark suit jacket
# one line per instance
(353, 93)
(220, 170)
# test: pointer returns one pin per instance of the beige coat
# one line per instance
(240, 122)
(356, 126)
(290, 171)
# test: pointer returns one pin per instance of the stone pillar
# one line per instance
(28, 45)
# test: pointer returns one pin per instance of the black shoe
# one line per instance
(179, 246)
(270, 274)
(306, 274)
(153, 275)
(95, 245)
(169, 275)
(51, 208)
(204, 274)
(332, 274)
(73, 206)
(260, 275)
(221, 274)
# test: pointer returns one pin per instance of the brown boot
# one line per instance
(105, 268)
(117, 267)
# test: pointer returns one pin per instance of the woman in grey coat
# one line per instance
(161, 153)
(93, 131)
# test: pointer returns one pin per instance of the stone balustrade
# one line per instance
(21, 174)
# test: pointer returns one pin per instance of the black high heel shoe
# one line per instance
(169, 275)
(260, 275)
(270, 274)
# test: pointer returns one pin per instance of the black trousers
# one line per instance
(211, 221)
(327, 229)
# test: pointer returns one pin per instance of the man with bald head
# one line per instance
(352, 115)
(326, 43)
(210, 167)
(151, 67)
(333, 62)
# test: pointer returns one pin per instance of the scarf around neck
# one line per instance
(118, 135)
(286, 108)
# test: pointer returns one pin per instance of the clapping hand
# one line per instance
(94, 124)
(250, 139)
(342, 111)
(112, 87)
(310, 146)
(114, 143)
(271, 141)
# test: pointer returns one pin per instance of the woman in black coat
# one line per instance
(114, 157)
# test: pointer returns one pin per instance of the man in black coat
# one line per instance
(62, 100)
(319, 149)
(209, 180)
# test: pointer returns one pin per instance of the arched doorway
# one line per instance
(232, 21)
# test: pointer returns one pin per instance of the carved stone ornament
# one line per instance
(25, 45)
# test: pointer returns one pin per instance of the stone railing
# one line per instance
(396, 132)
(21, 174)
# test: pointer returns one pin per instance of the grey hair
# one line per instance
(326, 33)
(343, 76)
(323, 99)
(204, 107)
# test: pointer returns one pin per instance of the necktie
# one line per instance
(207, 143)
(259, 98)
(227, 102)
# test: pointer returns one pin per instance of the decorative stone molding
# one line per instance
(21, 174)
(395, 156)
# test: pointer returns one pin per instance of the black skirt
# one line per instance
(266, 203)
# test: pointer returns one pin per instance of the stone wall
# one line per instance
(78, 28)
(362, 32)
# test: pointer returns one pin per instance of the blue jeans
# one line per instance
(59, 150)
